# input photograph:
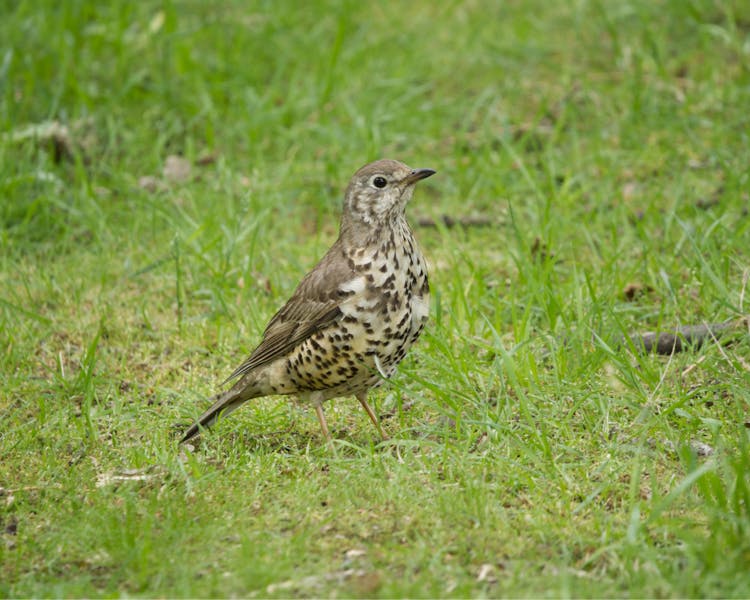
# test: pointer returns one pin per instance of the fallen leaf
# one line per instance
(150, 183)
(313, 581)
(487, 573)
(206, 159)
(177, 168)
(115, 477)
(52, 133)
(629, 189)
(701, 449)
(633, 290)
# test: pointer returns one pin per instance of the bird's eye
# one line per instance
(379, 182)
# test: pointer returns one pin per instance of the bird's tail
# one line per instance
(224, 403)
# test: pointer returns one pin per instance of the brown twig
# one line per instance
(448, 221)
(685, 337)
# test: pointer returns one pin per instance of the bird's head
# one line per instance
(379, 191)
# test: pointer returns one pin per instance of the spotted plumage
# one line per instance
(354, 316)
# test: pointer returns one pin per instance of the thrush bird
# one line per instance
(354, 316)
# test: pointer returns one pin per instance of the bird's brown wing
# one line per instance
(313, 307)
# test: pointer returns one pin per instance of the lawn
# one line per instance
(170, 170)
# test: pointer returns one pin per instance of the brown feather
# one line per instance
(313, 306)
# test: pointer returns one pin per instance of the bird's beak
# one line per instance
(418, 174)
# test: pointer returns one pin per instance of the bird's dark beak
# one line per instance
(418, 174)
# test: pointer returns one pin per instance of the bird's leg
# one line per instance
(322, 420)
(363, 401)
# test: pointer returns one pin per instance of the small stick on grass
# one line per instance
(448, 222)
(685, 337)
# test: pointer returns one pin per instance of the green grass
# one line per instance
(607, 144)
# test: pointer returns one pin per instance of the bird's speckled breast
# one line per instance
(384, 309)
